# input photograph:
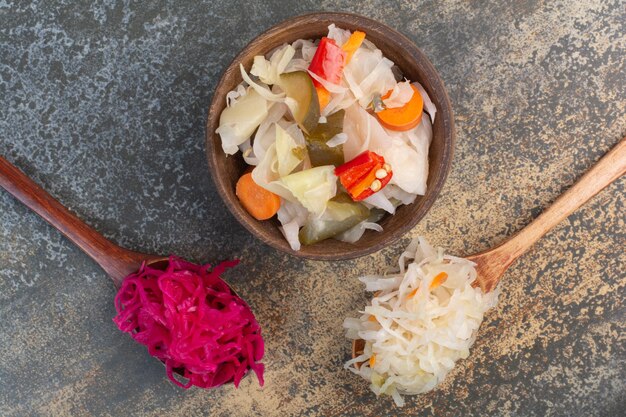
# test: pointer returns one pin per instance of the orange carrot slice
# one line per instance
(372, 318)
(439, 279)
(412, 294)
(372, 360)
(259, 202)
(403, 118)
(352, 44)
(323, 96)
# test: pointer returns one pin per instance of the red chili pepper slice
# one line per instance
(328, 61)
(368, 191)
(358, 175)
(363, 162)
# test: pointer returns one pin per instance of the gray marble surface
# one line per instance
(104, 104)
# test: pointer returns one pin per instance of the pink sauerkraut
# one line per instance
(191, 320)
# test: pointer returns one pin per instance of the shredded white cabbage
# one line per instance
(340, 36)
(266, 175)
(381, 201)
(263, 90)
(265, 135)
(291, 232)
(286, 159)
(279, 159)
(338, 139)
(338, 102)
(354, 234)
(418, 139)
(423, 133)
(247, 152)
(421, 320)
(410, 170)
(369, 73)
(400, 95)
(305, 49)
(312, 187)
(292, 216)
(333, 88)
(239, 121)
(269, 71)
(297, 64)
(430, 107)
(233, 95)
(393, 191)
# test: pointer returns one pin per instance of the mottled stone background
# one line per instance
(105, 106)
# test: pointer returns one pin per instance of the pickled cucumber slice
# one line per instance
(320, 153)
(298, 85)
(341, 214)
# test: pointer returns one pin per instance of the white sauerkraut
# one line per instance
(421, 320)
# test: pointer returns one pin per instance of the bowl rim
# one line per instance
(444, 111)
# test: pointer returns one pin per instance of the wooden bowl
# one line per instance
(226, 170)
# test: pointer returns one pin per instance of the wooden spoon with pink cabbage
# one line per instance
(164, 280)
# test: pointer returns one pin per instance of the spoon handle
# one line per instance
(604, 172)
(116, 261)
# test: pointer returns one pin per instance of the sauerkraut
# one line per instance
(421, 320)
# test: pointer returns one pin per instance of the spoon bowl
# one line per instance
(116, 261)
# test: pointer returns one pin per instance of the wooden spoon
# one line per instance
(493, 263)
(117, 262)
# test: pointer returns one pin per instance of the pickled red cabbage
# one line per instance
(191, 320)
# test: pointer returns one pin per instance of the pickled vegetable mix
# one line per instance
(335, 135)
(191, 320)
